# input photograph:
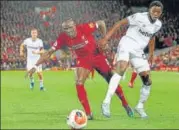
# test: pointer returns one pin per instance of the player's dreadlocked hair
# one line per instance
(156, 3)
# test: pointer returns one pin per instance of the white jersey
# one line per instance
(141, 29)
(32, 58)
(33, 46)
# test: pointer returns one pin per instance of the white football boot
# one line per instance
(141, 112)
(106, 109)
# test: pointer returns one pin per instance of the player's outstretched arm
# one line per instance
(42, 51)
(103, 42)
(151, 49)
(101, 27)
(39, 52)
(45, 56)
(115, 28)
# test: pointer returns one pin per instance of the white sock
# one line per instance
(41, 83)
(113, 84)
(31, 79)
(144, 94)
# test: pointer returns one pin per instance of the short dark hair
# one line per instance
(156, 3)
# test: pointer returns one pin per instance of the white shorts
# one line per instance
(31, 64)
(129, 50)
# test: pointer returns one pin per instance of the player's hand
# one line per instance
(30, 72)
(102, 44)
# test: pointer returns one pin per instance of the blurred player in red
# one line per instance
(81, 40)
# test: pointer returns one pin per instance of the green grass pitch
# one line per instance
(23, 109)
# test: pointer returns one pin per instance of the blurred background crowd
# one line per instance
(18, 17)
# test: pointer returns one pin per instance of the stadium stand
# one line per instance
(18, 17)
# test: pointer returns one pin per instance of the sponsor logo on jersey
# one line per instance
(147, 34)
(79, 45)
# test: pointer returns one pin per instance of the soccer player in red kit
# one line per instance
(81, 40)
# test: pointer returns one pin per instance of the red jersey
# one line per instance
(83, 44)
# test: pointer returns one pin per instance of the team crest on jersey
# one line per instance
(91, 25)
(83, 37)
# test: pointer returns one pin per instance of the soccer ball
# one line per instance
(77, 119)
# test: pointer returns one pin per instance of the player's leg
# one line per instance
(40, 75)
(119, 93)
(142, 67)
(29, 66)
(82, 75)
(31, 82)
(144, 93)
(82, 72)
(124, 76)
(103, 68)
(113, 84)
(133, 78)
(92, 73)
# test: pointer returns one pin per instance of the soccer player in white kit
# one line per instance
(140, 33)
(34, 47)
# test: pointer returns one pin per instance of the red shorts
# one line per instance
(98, 61)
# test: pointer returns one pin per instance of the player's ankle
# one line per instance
(140, 105)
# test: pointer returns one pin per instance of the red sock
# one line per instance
(82, 96)
(133, 77)
(120, 94)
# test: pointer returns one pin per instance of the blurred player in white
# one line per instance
(140, 33)
(34, 47)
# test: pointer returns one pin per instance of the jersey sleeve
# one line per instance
(41, 44)
(132, 19)
(90, 27)
(59, 42)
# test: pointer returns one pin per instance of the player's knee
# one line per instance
(121, 67)
(79, 82)
(40, 75)
(146, 80)
(120, 71)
